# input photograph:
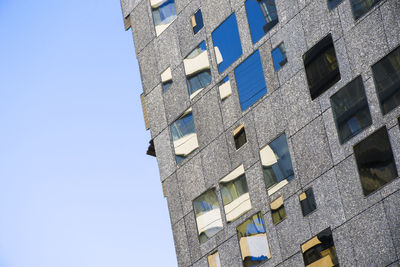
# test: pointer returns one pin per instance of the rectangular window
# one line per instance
(164, 13)
(375, 161)
(253, 241)
(350, 110)
(387, 81)
(307, 201)
(239, 135)
(360, 7)
(197, 21)
(213, 260)
(321, 66)
(166, 79)
(225, 88)
(277, 210)
(279, 56)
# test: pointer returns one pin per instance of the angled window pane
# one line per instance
(239, 135)
(333, 3)
(250, 80)
(164, 14)
(208, 215)
(225, 88)
(277, 210)
(279, 56)
(197, 21)
(226, 42)
(360, 7)
(166, 79)
(350, 110)
(262, 16)
(375, 161)
(307, 201)
(213, 260)
(387, 81)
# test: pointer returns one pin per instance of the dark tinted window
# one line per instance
(321, 65)
(197, 21)
(360, 7)
(279, 56)
(239, 135)
(307, 202)
(350, 110)
(375, 162)
(277, 210)
(333, 3)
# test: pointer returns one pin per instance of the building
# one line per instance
(275, 124)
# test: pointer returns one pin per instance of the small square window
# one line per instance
(239, 135)
(166, 79)
(333, 3)
(278, 210)
(279, 56)
(307, 202)
(253, 241)
(387, 81)
(213, 260)
(225, 88)
(375, 161)
(350, 110)
(197, 21)
(322, 68)
(208, 215)
(360, 7)
(320, 250)
(164, 13)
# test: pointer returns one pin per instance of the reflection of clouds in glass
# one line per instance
(225, 88)
(166, 79)
(164, 14)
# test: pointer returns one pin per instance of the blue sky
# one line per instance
(76, 188)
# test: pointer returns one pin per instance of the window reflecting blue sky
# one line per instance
(279, 56)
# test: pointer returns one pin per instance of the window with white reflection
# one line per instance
(166, 79)
(164, 13)
(225, 88)
(213, 260)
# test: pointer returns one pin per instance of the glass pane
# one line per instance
(225, 88)
(375, 162)
(387, 81)
(253, 241)
(307, 202)
(262, 16)
(360, 7)
(226, 42)
(166, 79)
(208, 215)
(197, 21)
(213, 260)
(239, 135)
(350, 110)
(279, 56)
(277, 210)
(333, 3)
(164, 14)
(250, 80)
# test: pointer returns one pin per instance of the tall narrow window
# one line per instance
(320, 250)
(164, 14)
(197, 21)
(278, 212)
(279, 56)
(307, 201)
(213, 260)
(239, 135)
(166, 79)
(225, 88)
(360, 7)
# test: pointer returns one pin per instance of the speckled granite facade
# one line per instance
(365, 229)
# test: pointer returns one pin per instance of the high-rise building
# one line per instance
(275, 124)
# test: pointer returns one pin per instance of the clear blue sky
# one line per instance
(76, 188)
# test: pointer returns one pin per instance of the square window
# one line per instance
(197, 69)
(226, 42)
(250, 80)
(276, 164)
(213, 260)
(333, 3)
(225, 88)
(278, 210)
(350, 110)
(235, 194)
(307, 202)
(386, 74)
(253, 241)
(279, 56)
(375, 162)
(197, 21)
(208, 215)
(166, 79)
(164, 13)
(321, 65)
(320, 250)
(239, 135)
(360, 7)
(184, 136)
(262, 17)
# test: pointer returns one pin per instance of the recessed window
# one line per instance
(239, 135)
(250, 80)
(164, 13)
(197, 69)
(197, 21)
(277, 210)
(333, 3)
(276, 164)
(184, 136)
(360, 7)
(320, 250)
(235, 194)
(166, 79)
(208, 215)
(375, 161)
(321, 65)
(253, 241)
(213, 260)
(307, 202)
(279, 56)
(262, 16)
(350, 110)
(387, 81)
(225, 88)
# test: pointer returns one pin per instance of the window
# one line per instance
(333, 3)
(279, 56)
(276, 164)
(164, 14)
(184, 136)
(253, 241)
(320, 250)
(239, 135)
(350, 110)
(321, 65)
(197, 69)
(166, 79)
(197, 21)
(235, 194)
(277, 210)
(250, 80)
(226, 42)
(213, 260)
(262, 16)
(225, 88)
(307, 202)
(360, 7)
(208, 215)
(387, 81)
(375, 161)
